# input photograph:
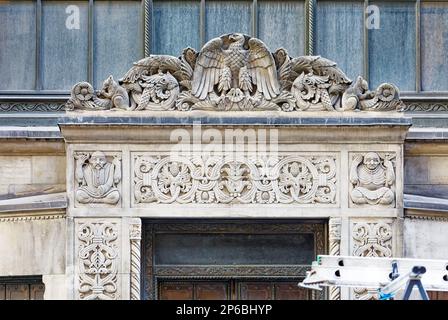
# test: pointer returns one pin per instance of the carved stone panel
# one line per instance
(97, 178)
(97, 257)
(299, 179)
(371, 239)
(372, 179)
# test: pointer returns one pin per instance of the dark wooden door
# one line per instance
(232, 290)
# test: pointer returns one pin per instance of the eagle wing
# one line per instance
(261, 66)
(151, 65)
(319, 66)
(208, 68)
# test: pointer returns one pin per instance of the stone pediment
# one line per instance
(235, 72)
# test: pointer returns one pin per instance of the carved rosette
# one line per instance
(235, 72)
(291, 179)
(98, 261)
(371, 240)
(372, 179)
(335, 250)
(135, 236)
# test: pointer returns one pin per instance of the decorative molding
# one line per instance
(207, 272)
(97, 178)
(31, 107)
(234, 72)
(98, 261)
(32, 218)
(427, 218)
(148, 266)
(135, 236)
(371, 240)
(304, 179)
(426, 106)
(372, 179)
(334, 238)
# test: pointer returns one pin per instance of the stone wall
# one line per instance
(425, 168)
(425, 238)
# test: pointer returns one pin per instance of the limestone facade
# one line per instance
(306, 144)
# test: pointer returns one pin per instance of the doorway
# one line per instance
(230, 260)
(232, 289)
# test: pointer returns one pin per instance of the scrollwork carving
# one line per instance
(98, 266)
(371, 240)
(235, 72)
(289, 179)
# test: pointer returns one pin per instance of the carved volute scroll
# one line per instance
(97, 178)
(235, 72)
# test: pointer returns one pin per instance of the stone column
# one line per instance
(135, 236)
(335, 250)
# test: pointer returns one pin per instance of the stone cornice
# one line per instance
(351, 128)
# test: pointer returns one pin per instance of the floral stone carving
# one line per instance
(98, 266)
(235, 72)
(371, 240)
(97, 178)
(372, 177)
(290, 179)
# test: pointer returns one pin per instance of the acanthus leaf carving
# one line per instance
(216, 179)
(235, 72)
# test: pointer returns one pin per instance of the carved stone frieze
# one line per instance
(303, 179)
(32, 107)
(235, 72)
(97, 254)
(97, 178)
(372, 178)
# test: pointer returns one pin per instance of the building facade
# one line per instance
(212, 149)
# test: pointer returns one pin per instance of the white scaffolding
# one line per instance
(388, 275)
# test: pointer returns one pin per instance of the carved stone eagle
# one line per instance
(235, 61)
